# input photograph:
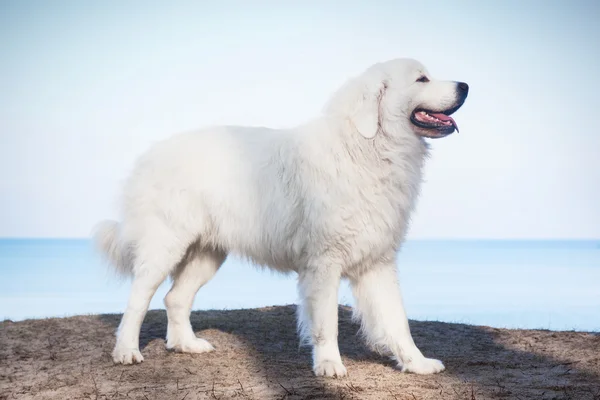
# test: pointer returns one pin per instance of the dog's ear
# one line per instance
(359, 101)
(366, 114)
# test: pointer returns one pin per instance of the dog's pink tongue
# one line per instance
(444, 117)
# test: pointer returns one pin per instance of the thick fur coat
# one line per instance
(330, 199)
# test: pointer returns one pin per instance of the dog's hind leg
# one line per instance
(318, 319)
(380, 308)
(156, 255)
(188, 278)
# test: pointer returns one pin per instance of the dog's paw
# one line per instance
(423, 366)
(330, 368)
(122, 355)
(193, 345)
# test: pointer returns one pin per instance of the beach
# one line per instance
(257, 357)
(510, 320)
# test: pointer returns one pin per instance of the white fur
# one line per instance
(330, 199)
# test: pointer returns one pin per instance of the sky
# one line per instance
(86, 87)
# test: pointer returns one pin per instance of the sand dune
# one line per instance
(258, 357)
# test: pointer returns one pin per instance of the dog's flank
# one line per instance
(330, 199)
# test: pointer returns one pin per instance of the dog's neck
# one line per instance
(393, 157)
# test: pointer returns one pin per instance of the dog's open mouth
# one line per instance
(434, 124)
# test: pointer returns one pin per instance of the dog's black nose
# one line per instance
(463, 87)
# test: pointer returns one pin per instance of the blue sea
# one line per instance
(514, 284)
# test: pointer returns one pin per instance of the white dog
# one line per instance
(330, 199)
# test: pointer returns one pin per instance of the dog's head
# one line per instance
(400, 94)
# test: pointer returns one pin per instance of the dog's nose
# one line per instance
(463, 87)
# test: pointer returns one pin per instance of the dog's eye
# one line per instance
(423, 79)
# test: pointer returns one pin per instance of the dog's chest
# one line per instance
(363, 222)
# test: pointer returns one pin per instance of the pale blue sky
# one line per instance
(87, 86)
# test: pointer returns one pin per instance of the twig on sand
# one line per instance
(439, 385)
(284, 388)
(456, 392)
(212, 393)
(564, 364)
(242, 387)
(356, 389)
(95, 387)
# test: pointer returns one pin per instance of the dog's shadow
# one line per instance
(477, 359)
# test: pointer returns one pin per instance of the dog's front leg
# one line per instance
(318, 318)
(380, 308)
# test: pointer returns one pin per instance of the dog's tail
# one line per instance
(108, 241)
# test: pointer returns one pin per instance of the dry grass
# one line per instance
(258, 357)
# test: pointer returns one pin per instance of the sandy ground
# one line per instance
(258, 357)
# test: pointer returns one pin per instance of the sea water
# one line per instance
(514, 284)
